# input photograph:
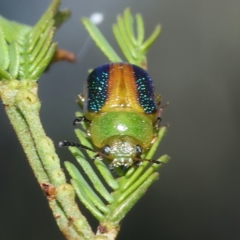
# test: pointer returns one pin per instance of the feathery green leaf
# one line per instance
(100, 40)
(85, 200)
(14, 59)
(122, 209)
(139, 181)
(4, 58)
(128, 22)
(121, 43)
(4, 75)
(41, 51)
(126, 38)
(106, 174)
(140, 29)
(75, 174)
(42, 24)
(148, 43)
(46, 33)
(44, 63)
(61, 17)
(14, 31)
(91, 174)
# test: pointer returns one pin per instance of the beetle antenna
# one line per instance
(74, 144)
(148, 160)
(66, 143)
(153, 161)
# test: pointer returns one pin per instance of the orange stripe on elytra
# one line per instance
(122, 89)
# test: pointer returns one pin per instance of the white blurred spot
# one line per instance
(122, 127)
(96, 18)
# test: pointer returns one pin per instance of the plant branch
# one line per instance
(30, 52)
(8, 92)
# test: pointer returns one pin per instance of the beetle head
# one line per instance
(122, 150)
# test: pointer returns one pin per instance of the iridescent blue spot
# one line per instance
(145, 88)
(97, 86)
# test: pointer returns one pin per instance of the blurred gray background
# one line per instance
(195, 66)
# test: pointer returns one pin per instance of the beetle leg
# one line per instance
(80, 100)
(98, 155)
(158, 98)
(159, 119)
(158, 123)
(160, 110)
(137, 163)
(80, 120)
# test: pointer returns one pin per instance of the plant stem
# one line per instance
(107, 232)
(22, 107)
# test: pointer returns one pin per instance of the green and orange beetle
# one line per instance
(122, 111)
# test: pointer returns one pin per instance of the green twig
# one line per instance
(21, 106)
(27, 53)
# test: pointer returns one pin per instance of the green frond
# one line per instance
(97, 183)
(108, 177)
(61, 17)
(119, 37)
(76, 175)
(120, 211)
(126, 38)
(43, 40)
(4, 60)
(149, 42)
(85, 200)
(27, 51)
(130, 188)
(14, 55)
(133, 47)
(129, 25)
(40, 68)
(42, 24)
(100, 40)
(85, 192)
(14, 31)
(140, 29)
(4, 75)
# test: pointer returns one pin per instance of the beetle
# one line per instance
(122, 111)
